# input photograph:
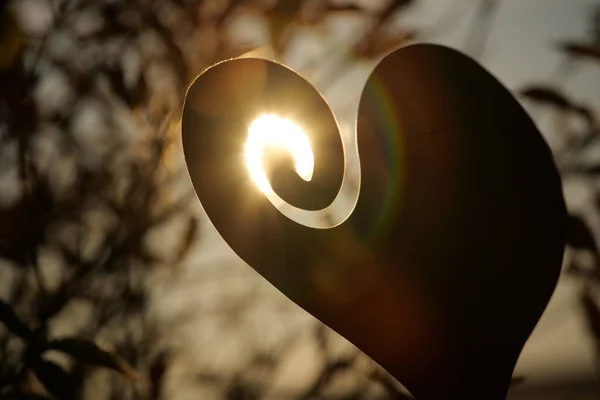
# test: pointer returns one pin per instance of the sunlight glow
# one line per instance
(270, 129)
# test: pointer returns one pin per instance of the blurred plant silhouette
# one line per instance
(91, 94)
(89, 106)
(578, 125)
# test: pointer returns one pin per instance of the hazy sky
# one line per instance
(521, 43)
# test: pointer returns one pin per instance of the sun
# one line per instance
(272, 130)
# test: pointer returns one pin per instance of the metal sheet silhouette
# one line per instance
(454, 248)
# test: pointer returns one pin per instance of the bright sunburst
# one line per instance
(272, 130)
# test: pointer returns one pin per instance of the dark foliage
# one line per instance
(112, 177)
(581, 238)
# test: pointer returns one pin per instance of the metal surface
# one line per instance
(455, 245)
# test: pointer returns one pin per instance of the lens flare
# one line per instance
(272, 130)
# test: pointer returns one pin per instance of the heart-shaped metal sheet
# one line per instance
(455, 245)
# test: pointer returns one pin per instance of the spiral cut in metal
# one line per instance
(453, 248)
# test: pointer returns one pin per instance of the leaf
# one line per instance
(24, 396)
(281, 17)
(90, 353)
(592, 314)
(117, 80)
(321, 337)
(286, 10)
(188, 239)
(589, 275)
(586, 113)
(11, 40)
(587, 139)
(69, 256)
(340, 7)
(145, 256)
(579, 235)
(134, 96)
(157, 372)
(53, 377)
(593, 169)
(176, 56)
(331, 369)
(516, 381)
(242, 391)
(547, 95)
(553, 97)
(13, 322)
(581, 50)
